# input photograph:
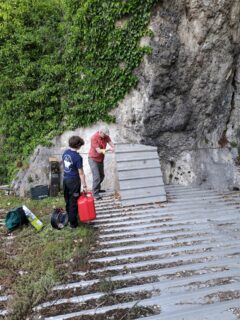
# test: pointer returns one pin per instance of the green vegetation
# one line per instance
(64, 64)
(233, 144)
(106, 285)
(31, 263)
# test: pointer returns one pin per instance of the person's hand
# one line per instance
(111, 149)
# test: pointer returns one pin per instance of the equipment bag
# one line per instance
(15, 218)
(59, 218)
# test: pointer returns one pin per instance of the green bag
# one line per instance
(15, 218)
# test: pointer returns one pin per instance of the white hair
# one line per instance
(104, 129)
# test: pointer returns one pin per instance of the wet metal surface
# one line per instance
(184, 255)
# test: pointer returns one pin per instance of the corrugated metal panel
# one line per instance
(177, 261)
(139, 173)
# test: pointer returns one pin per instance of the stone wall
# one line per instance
(39, 166)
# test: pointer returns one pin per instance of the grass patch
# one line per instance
(106, 285)
(32, 262)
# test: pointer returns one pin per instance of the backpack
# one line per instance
(15, 218)
(59, 218)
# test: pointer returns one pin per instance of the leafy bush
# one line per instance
(64, 64)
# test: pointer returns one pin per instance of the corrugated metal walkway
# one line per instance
(174, 261)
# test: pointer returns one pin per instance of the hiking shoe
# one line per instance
(73, 226)
(101, 191)
(98, 198)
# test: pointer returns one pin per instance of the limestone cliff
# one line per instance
(188, 98)
(187, 101)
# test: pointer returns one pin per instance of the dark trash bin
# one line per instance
(39, 192)
(54, 179)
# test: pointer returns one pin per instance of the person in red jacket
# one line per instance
(96, 154)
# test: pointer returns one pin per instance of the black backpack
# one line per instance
(59, 218)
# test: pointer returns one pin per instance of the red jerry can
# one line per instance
(86, 207)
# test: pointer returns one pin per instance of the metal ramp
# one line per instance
(139, 173)
(174, 261)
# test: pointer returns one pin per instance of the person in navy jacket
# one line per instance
(73, 178)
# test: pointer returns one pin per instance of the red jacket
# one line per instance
(98, 142)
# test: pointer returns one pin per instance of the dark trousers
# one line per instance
(97, 169)
(71, 189)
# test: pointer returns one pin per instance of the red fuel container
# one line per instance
(86, 207)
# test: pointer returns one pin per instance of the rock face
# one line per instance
(188, 99)
(38, 172)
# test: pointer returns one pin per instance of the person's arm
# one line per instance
(99, 150)
(83, 179)
(112, 146)
(95, 145)
(109, 141)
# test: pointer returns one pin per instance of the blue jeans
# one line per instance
(97, 169)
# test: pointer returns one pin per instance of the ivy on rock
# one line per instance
(64, 64)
